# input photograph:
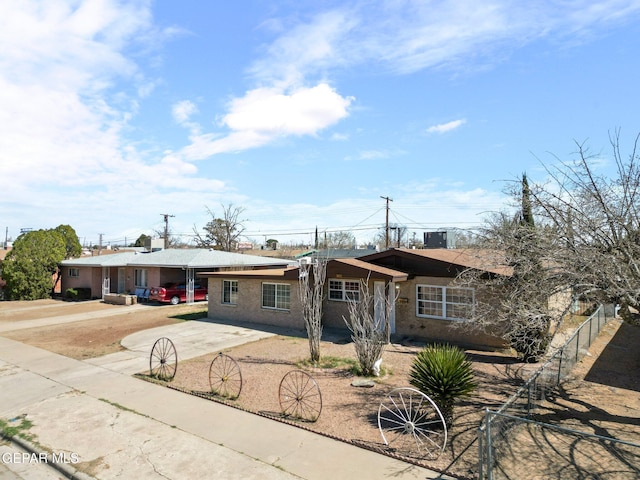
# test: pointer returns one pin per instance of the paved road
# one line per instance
(116, 426)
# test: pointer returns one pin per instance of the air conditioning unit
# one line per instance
(442, 239)
(153, 244)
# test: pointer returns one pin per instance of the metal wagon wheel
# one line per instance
(163, 361)
(412, 424)
(225, 378)
(300, 396)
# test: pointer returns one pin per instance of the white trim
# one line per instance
(233, 295)
(345, 293)
(442, 302)
(276, 291)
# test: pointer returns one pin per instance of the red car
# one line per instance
(174, 293)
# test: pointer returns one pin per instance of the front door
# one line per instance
(384, 308)
(121, 279)
(106, 282)
(190, 285)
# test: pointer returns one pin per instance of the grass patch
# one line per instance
(191, 315)
(348, 364)
(11, 428)
(121, 407)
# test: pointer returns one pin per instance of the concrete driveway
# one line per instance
(191, 339)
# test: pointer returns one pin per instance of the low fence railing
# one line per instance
(506, 441)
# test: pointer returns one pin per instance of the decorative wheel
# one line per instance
(225, 378)
(412, 424)
(163, 361)
(299, 396)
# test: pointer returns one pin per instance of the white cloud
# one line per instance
(410, 36)
(68, 88)
(372, 155)
(265, 114)
(182, 111)
(304, 111)
(402, 37)
(305, 48)
(446, 127)
(339, 137)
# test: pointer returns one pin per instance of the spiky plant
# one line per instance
(443, 373)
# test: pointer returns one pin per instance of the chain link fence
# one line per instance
(513, 445)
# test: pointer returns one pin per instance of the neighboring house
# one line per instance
(417, 283)
(135, 271)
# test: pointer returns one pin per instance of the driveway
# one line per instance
(191, 339)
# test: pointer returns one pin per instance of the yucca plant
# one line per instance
(443, 373)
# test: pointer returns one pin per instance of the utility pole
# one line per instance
(386, 236)
(166, 229)
(100, 243)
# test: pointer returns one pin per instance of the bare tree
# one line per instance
(222, 233)
(311, 290)
(369, 331)
(339, 240)
(585, 244)
(597, 223)
(518, 293)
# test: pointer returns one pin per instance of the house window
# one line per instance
(74, 272)
(444, 302)
(140, 277)
(230, 292)
(276, 295)
(343, 290)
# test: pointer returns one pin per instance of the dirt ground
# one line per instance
(88, 338)
(602, 396)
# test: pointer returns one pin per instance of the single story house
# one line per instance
(418, 284)
(135, 271)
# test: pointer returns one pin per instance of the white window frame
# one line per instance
(74, 272)
(279, 303)
(230, 289)
(342, 290)
(140, 278)
(446, 301)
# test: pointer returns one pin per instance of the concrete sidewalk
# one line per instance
(121, 427)
(191, 339)
(78, 317)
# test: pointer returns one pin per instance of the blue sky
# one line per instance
(304, 113)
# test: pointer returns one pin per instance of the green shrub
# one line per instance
(443, 373)
(71, 294)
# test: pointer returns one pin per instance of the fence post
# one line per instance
(560, 365)
(577, 344)
(481, 451)
(489, 447)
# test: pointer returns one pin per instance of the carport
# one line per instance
(132, 271)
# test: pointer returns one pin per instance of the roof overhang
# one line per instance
(290, 273)
(355, 268)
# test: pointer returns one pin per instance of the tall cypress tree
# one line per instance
(527, 213)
